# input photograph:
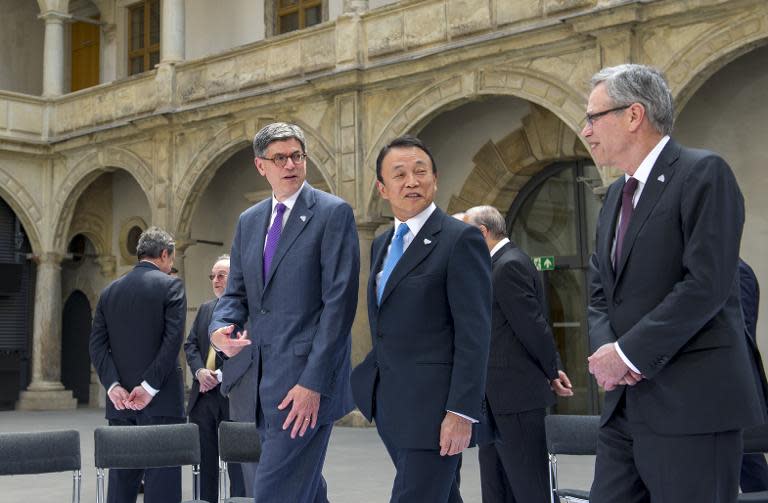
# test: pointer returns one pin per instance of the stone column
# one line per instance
(172, 31)
(53, 53)
(361, 332)
(355, 6)
(46, 392)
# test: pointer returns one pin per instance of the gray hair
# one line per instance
(222, 257)
(152, 242)
(631, 83)
(277, 131)
(489, 217)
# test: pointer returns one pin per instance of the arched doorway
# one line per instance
(17, 293)
(75, 332)
(554, 216)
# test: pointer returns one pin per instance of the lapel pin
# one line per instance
(427, 241)
(303, 218)
(661, 178)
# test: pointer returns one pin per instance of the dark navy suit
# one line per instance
(299, 320)
(430, 348)
(137, 333)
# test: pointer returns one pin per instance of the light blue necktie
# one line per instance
(395, 252)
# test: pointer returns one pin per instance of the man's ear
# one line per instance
(259, 166)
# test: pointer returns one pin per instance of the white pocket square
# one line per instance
(427, 241)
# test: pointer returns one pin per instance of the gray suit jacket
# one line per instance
(299, 318)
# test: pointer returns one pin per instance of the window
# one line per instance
(143, 36)
(297, 14)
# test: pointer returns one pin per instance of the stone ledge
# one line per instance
(46, 400)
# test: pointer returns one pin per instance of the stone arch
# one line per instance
(207, 161)
(503, 168)
(563, 101)
(25, 208)
(84, 173)
(704, 56)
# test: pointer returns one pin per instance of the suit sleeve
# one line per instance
(166, 359)
(750, 297)
(232, 308)
(515, 291)
(340, 262)
(99, 349)
(191, 346)
(600, 331)
(469, 292)
(712, 211)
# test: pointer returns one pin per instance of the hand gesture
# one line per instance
(304, 411)
(118, 395)
(207, 379)
(562, 385)
(138, 399)
(222, 339)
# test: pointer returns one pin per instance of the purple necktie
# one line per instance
(273, 238)
(626, 215)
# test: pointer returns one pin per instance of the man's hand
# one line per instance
(455, 433)
(118, 395)
(607, 367)
(221, 338)
(303, 413)
(138, 399)
(631, 378)
(562, 385)
(207, 379)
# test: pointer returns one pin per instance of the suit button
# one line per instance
(263, 311)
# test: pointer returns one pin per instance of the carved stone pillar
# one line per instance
(172, 31)
(361, 332)
(53, 53)
(45, 391)
(355, 6)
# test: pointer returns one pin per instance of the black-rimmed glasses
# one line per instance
(592, 118)
(281, 160)
(219, 276)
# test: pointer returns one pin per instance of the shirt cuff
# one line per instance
(112, 387)
(625, 359)
(472, 420)
(219, 375)
(149, 389)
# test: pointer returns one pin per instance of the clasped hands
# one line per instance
(137, 399)
(610, 370)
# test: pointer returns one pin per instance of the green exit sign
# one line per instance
(544, 263)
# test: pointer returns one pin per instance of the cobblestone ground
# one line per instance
(357, 468)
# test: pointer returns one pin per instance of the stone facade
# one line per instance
(352, 84)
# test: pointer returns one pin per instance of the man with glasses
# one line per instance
(207, 407)
(665, 320)
(293, 282)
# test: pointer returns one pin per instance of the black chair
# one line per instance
(238, 443)
(755, 441)
(42, 452)
(140, 447)
(572, 435)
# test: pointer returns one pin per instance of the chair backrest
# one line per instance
(575, 435)
(239, 442)
(153, 446)
(756, 439)
(39, 452)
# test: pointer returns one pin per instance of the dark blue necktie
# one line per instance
(395, 252)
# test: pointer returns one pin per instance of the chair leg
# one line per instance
(195, 482)
(222, 479)
(100, 493)
(76, 479)
(554, 498)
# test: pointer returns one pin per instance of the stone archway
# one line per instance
(207, 161)
(563, 102)
(86, 172)
(503, 168)
(25, 208)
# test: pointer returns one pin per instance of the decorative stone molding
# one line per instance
(25, 208)
(128, 257)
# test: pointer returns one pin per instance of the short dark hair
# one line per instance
(404, 141)
(152, 242)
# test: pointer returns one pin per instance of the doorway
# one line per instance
(75, 332)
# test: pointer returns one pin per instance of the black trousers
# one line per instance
(209, 411)
(636, 465)
(513, 469)
(754, 473)
(161, 485)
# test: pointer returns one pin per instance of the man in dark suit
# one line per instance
(664, 314)
(429, 307)
(523, 372)
(294, 272)
(135, 341)
(207, 407)
(754, 469)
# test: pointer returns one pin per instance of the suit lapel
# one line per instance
(262, 219)
(654, 188)
(300, 216)
(421, 246)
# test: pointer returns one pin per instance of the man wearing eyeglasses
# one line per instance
(293, 285)
(207, 407)
(665, 321)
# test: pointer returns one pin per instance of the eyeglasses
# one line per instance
(281, 160)
(592, 118)
(219, 276)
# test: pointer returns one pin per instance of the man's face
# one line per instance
(165, 262)
(219, 275)
(608, 136)
(409, 181)
(287, 180)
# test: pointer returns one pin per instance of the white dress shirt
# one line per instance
(641, 175)
(499, 246)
